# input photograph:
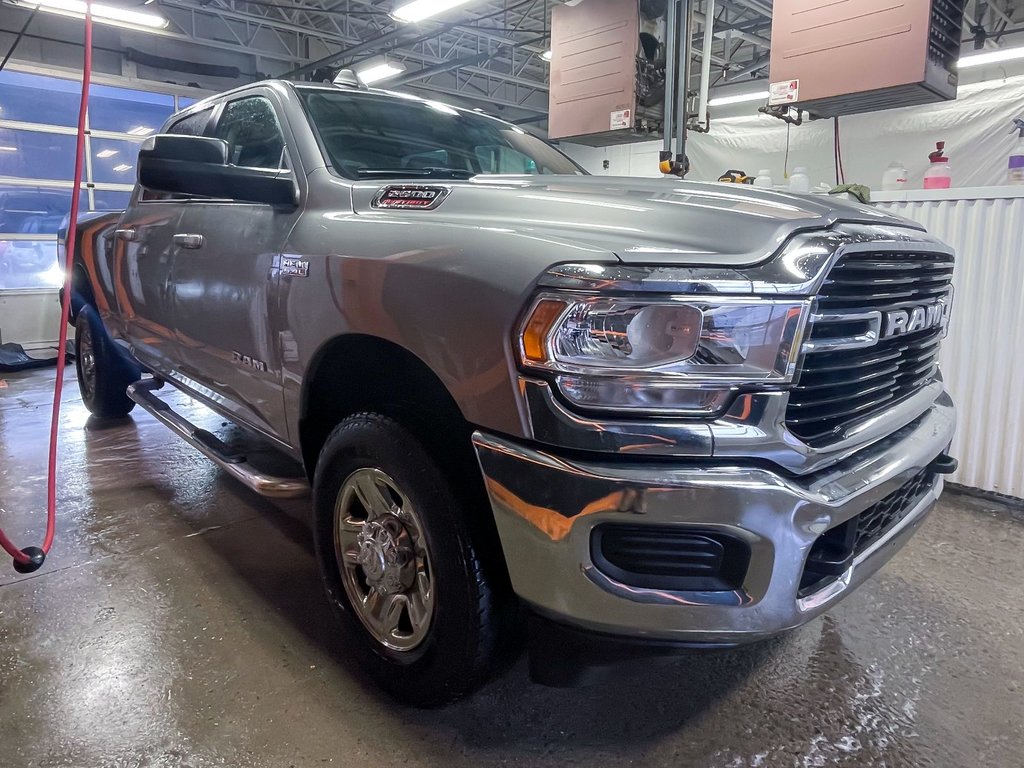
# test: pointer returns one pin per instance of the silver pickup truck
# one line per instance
(633, 415)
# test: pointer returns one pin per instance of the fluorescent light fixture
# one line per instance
(738, 98)
(378, 72)
(418, 10)
(106, 14)
(106, 153)
(547, 55)
(8, 149)
(990, 57)
(141, 130)
(122, 167)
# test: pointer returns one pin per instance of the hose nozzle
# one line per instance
(36, 558)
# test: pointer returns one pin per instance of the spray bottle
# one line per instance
(938, 175)
(1016, 175)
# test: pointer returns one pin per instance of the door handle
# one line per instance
(188, 240)
(128, 233)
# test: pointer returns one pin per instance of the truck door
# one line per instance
(225, 277)
(143, 258)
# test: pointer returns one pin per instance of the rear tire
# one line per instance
(104, 371)
(440, 640)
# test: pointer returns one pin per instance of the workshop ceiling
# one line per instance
(485, 54)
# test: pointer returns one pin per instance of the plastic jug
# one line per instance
(799, 181)
(764, 179)
(1016, 167)
(895, 177)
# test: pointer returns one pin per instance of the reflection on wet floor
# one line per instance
(179, 622)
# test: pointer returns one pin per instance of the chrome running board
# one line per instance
(208, 444)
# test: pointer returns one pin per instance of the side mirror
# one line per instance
(196, 165)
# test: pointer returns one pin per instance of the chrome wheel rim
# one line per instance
(86, 362)
(382, 555)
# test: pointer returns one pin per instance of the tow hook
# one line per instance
(944, 464)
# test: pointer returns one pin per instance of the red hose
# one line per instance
(51, 483)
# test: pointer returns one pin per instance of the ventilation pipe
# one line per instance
(682, 85)
(668, 105)
(703, 119)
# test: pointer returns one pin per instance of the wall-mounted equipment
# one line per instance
(841, 57)
(607, 83)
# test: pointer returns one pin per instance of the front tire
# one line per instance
(104, 372)
(400, 565)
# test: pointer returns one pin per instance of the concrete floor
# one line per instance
(179, 622)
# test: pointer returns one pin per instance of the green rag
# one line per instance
(859, 191)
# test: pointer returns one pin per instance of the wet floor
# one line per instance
(178, 622)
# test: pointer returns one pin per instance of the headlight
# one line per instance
(673, 354)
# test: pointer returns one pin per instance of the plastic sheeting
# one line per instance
(976, 128)
(983, 356)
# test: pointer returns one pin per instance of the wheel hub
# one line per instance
(384, 554)
(385, 568)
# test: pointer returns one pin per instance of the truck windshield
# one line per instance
(367, 135)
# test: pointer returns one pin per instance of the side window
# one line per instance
(252, 132)
(193, 125)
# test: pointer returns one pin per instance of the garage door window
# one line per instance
(38, 121)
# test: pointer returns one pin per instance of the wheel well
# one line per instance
(364, 373)
(357, 373)
(81, 292)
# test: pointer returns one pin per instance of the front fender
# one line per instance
(449, 294)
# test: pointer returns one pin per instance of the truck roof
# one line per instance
(303, 86)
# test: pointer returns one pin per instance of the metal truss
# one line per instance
(486, 54)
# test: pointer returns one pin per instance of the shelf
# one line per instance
(957, 193)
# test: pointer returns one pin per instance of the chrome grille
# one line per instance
(885, 280)
(837, 389)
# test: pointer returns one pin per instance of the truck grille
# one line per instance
(834, 551)
(836, 390)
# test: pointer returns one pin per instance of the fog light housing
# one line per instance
(672, 558)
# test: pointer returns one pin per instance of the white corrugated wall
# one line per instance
(983, 356)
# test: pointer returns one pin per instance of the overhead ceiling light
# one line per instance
(738, 98)
(8, 149)
(122, 167)
(990, 57)
(105, 14)
(141, 130)
(547, 55)
(418, 10)
(378, 72)
(106, 153)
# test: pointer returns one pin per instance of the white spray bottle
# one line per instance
(1016, 174)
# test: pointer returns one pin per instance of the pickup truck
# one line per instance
(622, 417)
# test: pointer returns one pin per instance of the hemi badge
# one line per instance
(410, 196)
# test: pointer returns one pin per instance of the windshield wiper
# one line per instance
(425, 173)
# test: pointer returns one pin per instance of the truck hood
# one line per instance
(641, 221)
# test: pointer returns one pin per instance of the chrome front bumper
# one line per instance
(547, 506)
